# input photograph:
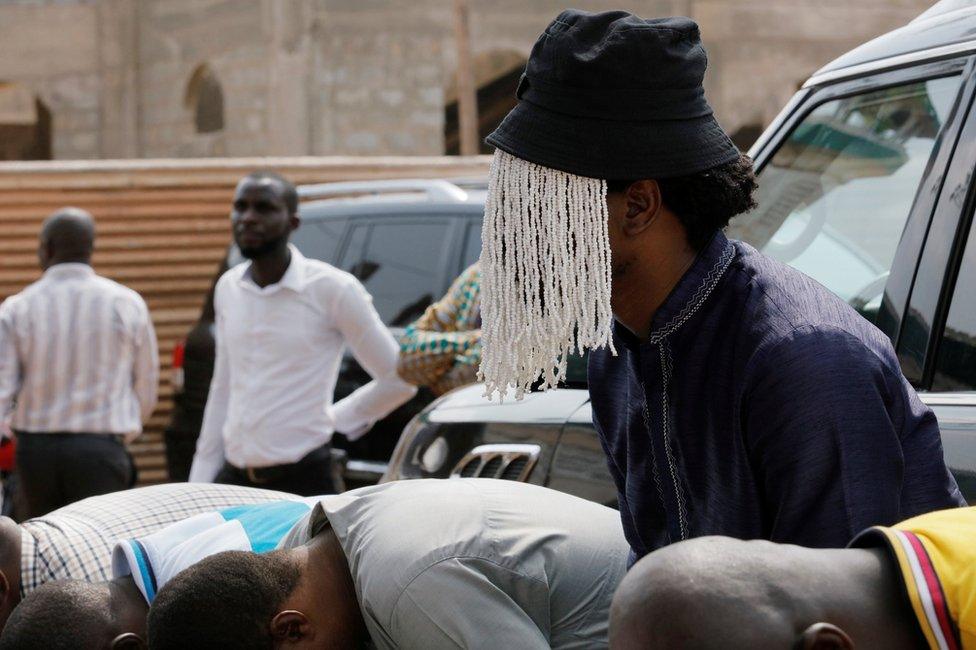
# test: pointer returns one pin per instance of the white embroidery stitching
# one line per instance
(659, 338)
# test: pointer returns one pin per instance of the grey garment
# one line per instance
(476, 563)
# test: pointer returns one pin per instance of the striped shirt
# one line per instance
(76, 542)
(77, 354)
(935, 555)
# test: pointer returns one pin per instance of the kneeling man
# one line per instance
(86, 615)
(912, 585)
(470, 563)
(75, 542)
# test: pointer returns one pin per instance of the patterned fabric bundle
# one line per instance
(442, 349)
(545, 266)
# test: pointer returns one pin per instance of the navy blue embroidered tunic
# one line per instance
(762, 406)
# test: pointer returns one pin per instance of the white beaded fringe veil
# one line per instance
(545, 268)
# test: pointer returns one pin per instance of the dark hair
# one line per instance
(224, 601)
(706, 201)
(288, 191)
(66, 614)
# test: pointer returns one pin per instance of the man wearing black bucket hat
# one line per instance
(733, 395)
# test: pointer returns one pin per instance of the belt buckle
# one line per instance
(252, 476)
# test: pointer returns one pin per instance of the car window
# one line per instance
(472, 244)
(354, 249)
(320, 239)
(835, 197)
(401, 265)
(955, 365)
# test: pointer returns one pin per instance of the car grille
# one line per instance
(507, 462)
(514, 470)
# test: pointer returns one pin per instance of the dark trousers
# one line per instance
(55, 469)
(309, 477)
(180, 449)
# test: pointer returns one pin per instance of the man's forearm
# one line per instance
(370, 403)
(205, 468)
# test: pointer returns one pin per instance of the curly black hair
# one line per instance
(705, 202)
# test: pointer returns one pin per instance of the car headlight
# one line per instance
(432, 460)
(398, 460)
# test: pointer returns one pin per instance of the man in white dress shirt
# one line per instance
(283, 322)
(79, 370)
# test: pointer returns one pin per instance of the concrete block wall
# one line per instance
(50, 50)
(378, 77)
(176, 37)
(351, 77)
(759, 51)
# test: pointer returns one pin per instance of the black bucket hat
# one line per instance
(612, 95)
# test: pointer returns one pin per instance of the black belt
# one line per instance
(271, 473)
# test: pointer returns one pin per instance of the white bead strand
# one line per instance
(545, 268)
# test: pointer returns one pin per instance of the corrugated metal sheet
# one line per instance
(162, 230)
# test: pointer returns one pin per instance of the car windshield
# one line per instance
(835, 197)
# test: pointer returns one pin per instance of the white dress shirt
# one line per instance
(278, 355)
(77, 354)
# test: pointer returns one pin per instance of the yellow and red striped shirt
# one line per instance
(936, 557)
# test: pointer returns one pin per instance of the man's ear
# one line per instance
(643, 201)
(290, 626)
(824, 636)
(129, 641)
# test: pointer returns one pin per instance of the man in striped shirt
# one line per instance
(78, 372)
(78, 613)
(76, 542)
(911, 585)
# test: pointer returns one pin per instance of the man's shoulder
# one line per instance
(233, 274)
(780, 302)
(317, 271)
(9, 305)
(93, 285)
(117, 289)
(24, 296)
(771, 283)
(229, 283)
(328, 282)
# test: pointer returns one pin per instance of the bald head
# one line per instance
(718, 592)
(68, 235)
(700, 594)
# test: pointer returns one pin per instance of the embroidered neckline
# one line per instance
(708, 284)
